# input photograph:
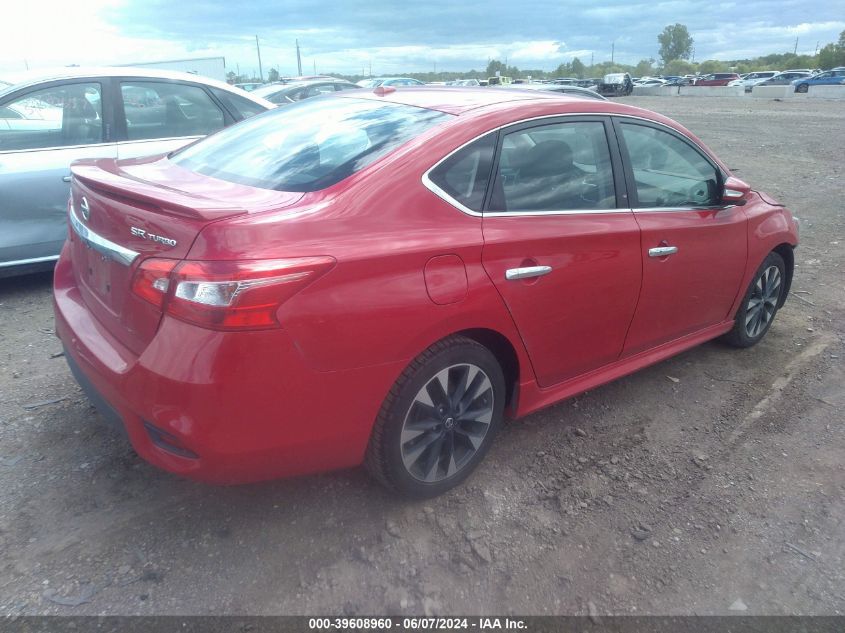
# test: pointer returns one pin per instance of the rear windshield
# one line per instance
(309, 145)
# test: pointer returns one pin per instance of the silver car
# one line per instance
(49, 119)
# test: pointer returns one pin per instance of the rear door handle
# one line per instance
(662, 251)
(512, 274)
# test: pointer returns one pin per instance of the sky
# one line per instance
(352, 36)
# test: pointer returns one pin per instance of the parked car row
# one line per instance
(801, 79)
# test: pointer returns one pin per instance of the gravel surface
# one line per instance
(712, 483)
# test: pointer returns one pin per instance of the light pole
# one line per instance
(260, 71)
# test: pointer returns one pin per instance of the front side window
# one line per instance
(557, 167)
(168, 110)
(60, 116)
(307, 146)
(668, 172)
(465, 174)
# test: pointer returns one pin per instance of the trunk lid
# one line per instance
(123, 212)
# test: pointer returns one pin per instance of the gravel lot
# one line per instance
(711, 483)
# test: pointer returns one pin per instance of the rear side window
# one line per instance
(60, 116)
(307, 146)
(556, 167)
(168, 109)
(668, 172)
(465, 174)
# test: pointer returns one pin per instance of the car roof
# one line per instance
(33, 77)
(458, 99)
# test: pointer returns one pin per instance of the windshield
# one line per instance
(309, 145)
(265, 91)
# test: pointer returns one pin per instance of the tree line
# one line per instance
(675, 51)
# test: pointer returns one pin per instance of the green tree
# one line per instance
(494, 66)
(675, 43)
(644, 68)
(563, 70)
(678, 67)
(578, 68)
(712, 66)
(833, 55)
(273, 75)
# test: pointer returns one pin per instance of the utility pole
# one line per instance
(612, 50)
(592, 55)
(315, 65)
(260, 70)
(371, 68)
(817, 50)
(795, 50)
(298, 60)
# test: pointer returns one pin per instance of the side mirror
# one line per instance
(735, 191)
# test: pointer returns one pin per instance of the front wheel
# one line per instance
(760, 303)
(802, 88)
(438, 420)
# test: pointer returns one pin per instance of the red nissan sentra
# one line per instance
(381, 278)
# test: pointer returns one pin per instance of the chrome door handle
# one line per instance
(526, 273)
(662, 251)
(66, 179)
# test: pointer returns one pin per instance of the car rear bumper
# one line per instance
(220, 407)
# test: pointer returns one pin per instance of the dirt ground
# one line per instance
(711, 483)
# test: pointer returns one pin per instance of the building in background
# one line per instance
(213, 67)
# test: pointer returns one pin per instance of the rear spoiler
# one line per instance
(104, 176)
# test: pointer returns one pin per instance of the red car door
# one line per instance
(694, 248)
(560, 244)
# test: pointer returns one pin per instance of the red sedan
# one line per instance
(381, 278)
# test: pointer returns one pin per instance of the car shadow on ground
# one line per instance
(23, 284)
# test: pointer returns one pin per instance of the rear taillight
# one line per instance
(152, 280)
(226, 295)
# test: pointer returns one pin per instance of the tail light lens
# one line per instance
(152, 280)
(226, 295)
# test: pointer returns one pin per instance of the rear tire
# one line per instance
(760, 303)
(802, 88)
(438, 420)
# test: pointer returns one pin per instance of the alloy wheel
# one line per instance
(762, 305)
(447, 422)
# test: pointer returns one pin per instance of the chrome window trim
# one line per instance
(440, 193)
(522, 214)
(165, 138)
(715, 207)
(106, 247)
(54, 148)
(33, 260)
